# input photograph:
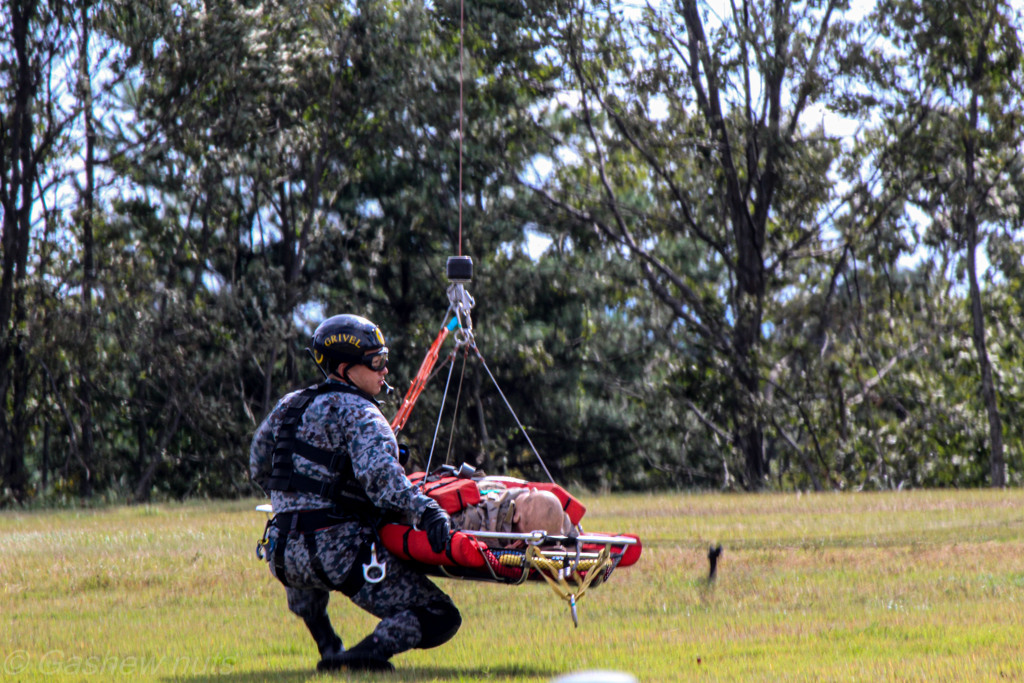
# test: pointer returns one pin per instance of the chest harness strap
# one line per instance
(340, 486)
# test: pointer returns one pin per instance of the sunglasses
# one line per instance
(377, 360)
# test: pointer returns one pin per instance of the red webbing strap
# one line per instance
(501, 570)
(419, 382)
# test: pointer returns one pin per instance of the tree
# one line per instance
(706, 172)
(35, 40)
(967, 57)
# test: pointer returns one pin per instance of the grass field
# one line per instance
(911, 586)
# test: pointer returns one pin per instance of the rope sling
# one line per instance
(569, 573)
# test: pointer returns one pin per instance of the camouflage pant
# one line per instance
(404, 600)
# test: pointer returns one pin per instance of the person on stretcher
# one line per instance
(513, 509)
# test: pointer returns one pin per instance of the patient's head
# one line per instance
(540, 510)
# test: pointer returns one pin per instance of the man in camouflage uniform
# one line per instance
(329, 460)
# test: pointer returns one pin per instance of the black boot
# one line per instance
(368, 655)
(327, 641)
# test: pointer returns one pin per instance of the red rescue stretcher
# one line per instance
(570, 564)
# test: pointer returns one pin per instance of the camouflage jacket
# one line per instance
(337, 421)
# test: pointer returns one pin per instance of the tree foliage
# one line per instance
(731, 293)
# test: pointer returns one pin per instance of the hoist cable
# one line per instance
(462, 24)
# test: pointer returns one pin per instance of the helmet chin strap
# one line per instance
(344, 375)
(348, 380)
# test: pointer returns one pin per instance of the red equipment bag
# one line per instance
(453, 494)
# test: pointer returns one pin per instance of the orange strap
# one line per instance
(419, 382)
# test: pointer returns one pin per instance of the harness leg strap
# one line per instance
(315, 563)
(282, 542)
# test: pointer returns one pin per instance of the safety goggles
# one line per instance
(376, 360)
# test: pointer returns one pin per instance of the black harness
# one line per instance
(339, 486)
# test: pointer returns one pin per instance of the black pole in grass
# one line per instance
(714, 552)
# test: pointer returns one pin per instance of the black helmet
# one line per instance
(348, 339)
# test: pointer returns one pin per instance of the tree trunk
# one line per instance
(18, 172)
(748, 231)
(997, 461)
(88, 261)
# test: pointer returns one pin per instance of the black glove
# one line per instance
(438, 526)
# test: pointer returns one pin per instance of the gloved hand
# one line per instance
(438, 526)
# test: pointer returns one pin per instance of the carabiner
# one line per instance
(265, 546)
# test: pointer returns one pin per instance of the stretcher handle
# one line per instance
(541, 537)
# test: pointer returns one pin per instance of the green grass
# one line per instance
(912, 586)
